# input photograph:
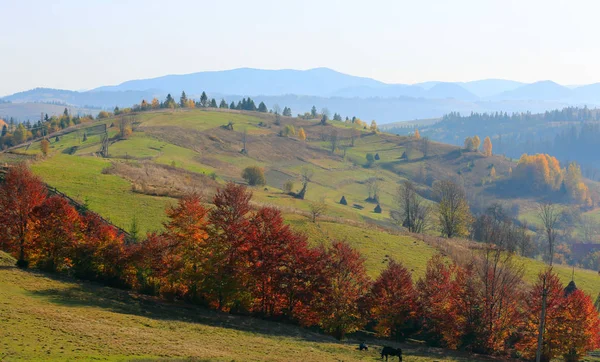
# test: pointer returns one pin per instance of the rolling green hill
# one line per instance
(173, 152)
(170, 153)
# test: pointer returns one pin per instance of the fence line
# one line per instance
(79, 206)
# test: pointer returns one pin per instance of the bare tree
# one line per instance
(354, 134)
(454, 211)
(425, 146)
(411, 211)
(590, 229)
(307, 174)
(245, 141)
(501, 277)
(317, 209)
(123, 122)
(333, 140)
(373, 189)
(549, 216)
(276, 109)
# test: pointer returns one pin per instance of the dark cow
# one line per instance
(389, 351)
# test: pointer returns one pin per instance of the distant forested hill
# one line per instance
(570, 134)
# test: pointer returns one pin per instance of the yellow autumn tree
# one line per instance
(539, 172)
(190, 103)
(487, 147)
(469, 145)
(373, 126)
(301, 134)
(155, 103)
(417, 134)
(577, 190)
(45, 147)
(493, 172)
(476, 143)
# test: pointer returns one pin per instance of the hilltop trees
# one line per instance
(476, 143)
(487, 147)
(417, 134)
(183, 100)
(262, 107)
(454, 212)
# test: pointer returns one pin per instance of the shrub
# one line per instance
(377, 158)
(343, 201)
(254, 175)
(377, 209)
(288, 186)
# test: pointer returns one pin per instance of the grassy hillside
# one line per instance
(55, 319)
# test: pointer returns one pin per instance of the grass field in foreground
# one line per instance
(44, 317)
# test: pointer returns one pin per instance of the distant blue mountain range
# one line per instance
(354, 95)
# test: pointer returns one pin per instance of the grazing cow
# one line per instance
(389, 351)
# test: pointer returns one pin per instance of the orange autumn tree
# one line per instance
(392, 301)
(187, 232)
(417, 134)
(581, 324)
(20, 194)
(57, 231)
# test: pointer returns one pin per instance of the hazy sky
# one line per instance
(85, 44)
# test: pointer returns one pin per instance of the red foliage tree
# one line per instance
(101, 254)
(19, 195)
(531, 318)
(226, 269)
(436, 310)
(392, 300)
(152, 259)
(501, 283)
(581, 326)
(338, 305)
(270, 250)
(57, 231)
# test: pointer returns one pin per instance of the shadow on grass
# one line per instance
(92, 295)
